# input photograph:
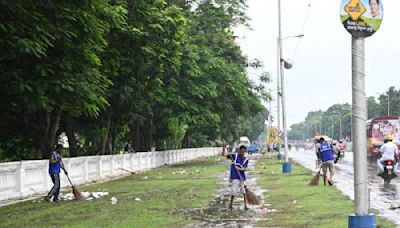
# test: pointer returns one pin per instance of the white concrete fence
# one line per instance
(22, 179)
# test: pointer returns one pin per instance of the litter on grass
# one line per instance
(113, 200)
(87, 195)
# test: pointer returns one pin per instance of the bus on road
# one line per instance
(378, 128)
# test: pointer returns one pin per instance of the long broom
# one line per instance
(252, 198)
(314, 181)
(75, 191)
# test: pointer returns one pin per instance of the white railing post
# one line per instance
(85, 170)
(45, 173)
(140, 161)
(132, 165)
(20, 172)
(112, 165)
(122, 163)
(100, 168)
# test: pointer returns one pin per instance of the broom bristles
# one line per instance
(314, 181)
(252, 198)
(77, 194)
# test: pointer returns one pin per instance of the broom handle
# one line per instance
(68, 178)
(63, 167)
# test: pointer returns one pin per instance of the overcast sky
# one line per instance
(321, 75)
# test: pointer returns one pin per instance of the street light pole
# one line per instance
(320, 126)
(287, 168)
(278, 95)
(340, 126)
(340, 123)
(388, 107)
(278, 89)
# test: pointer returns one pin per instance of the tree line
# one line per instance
(328, 122)
(162, 74)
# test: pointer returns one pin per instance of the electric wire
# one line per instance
(303, 28)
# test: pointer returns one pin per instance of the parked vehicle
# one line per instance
(252, 149)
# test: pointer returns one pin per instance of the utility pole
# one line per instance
(359, 117)
(340, 126)
(352, 12)
(388, 103)
(320, 126)
(278, 88)
(287, 168)
(278, 96)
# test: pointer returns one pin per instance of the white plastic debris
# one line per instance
(137, 199)
(294, 201)
(85, 194)
(95, 195)
(113, 200)
(145, 178)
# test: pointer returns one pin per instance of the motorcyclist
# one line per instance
(335, 150)
(342, 145)
(389, 151)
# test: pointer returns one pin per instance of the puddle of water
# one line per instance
(217, 214)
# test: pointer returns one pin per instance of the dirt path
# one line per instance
(217, 214)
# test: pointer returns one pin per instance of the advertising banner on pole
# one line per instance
(361, 18)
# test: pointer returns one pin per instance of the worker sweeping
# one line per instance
(55, 165)
(238, 166)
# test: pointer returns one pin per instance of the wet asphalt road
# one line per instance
(381, 197)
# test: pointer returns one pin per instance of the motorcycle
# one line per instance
(388, 172)
(341, 154)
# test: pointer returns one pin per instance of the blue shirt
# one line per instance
(55, 167)
(326, 151)
(240, 164)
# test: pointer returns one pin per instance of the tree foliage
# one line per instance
(164, 74)
(322, 121)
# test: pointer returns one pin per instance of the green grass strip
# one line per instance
(163, 196)
(300, 205)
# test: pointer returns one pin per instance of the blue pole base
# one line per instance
(362, 221)
(287, 167)
(279, 157)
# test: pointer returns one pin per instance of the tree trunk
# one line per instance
(70, 130)
(149, 133)
(114, 143)
(109, 148)
(104, 139)
(48, 125)
(138, 138)
(185, 141)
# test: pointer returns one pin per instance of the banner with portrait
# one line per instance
(361, 18)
